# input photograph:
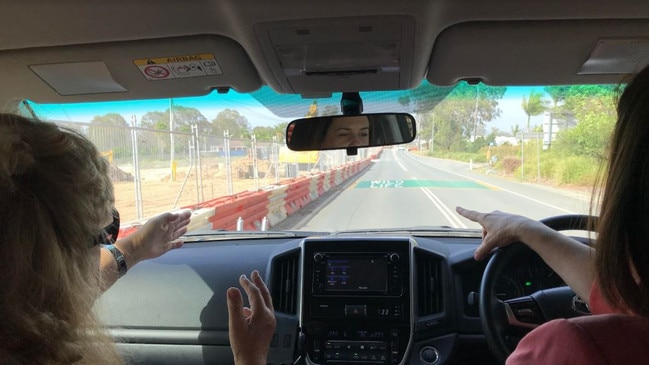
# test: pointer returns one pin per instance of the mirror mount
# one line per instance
(352, 151)
(351, 103)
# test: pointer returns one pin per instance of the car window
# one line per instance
(530, 150)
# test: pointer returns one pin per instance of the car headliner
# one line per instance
(264, 43)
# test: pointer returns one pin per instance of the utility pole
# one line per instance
(171, 140)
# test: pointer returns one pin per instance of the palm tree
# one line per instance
(557, 94)
(534, 105)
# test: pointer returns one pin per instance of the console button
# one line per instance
(355, 310)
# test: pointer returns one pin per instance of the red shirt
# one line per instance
(606, 337)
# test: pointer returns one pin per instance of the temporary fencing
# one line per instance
(264, 208)
(155, 171)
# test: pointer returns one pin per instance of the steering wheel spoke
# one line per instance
(524, 312)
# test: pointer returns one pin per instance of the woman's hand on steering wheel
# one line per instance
(498, 318)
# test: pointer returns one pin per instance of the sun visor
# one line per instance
(144, 69)
(346, 54)
(539, 52)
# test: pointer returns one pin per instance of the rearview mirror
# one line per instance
(345, 131)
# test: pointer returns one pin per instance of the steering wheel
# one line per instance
(505, 322)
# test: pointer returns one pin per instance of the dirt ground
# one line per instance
(161, 194)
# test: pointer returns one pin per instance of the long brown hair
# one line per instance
(623, 228)
(55, 195)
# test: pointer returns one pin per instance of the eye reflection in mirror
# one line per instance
(348, 131)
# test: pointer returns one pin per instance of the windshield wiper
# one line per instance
(416, 231)
(203, 235)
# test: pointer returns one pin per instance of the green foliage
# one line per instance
(425, 97)
(533, 105)
(280, 131)
(109, 132)
(156, 120)
(268, 133)
(575, 170)
(505, 150)
(461, 116)
(183, 119)
(459, 156)
(113, 119)
(232, 121)
(557, 94)
(596, 116)
(481, 144)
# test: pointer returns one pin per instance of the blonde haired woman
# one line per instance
(56, 197)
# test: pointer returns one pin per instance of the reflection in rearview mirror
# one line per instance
(344, 131)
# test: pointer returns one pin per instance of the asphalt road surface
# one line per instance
(402, 190)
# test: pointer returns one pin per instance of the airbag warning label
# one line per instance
(176, 67)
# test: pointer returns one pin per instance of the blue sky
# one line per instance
(209, 106)
(257, 115)
(512, 112)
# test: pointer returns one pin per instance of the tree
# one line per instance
(156, 120)
(558, 114)
(183, 119)
(425, 97)
(459, 112)
(110, 133)
(448, 133)
(593, 106)
(280, 131)
(557, 94)
(534, 105)
(230, 120)
(264, 133)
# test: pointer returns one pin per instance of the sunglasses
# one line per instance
(108, 235)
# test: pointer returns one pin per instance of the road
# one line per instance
(401, 189)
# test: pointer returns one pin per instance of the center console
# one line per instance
(356, 301)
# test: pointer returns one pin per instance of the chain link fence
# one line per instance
(154, 171)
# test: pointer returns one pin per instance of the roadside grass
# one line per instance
(547, 167)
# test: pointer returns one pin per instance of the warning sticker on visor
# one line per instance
(176, 67)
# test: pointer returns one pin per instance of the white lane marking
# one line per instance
(396, 158)
(503, 189)
(401, 165)
(446, 212)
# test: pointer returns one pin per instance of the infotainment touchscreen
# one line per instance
(356, 274)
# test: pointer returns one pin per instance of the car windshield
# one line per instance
(532, 150)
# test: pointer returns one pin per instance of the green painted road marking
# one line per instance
(374, 184)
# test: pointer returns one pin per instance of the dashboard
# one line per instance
(339, 299)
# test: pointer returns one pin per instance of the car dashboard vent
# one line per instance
(284, 282)
(430, 281)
